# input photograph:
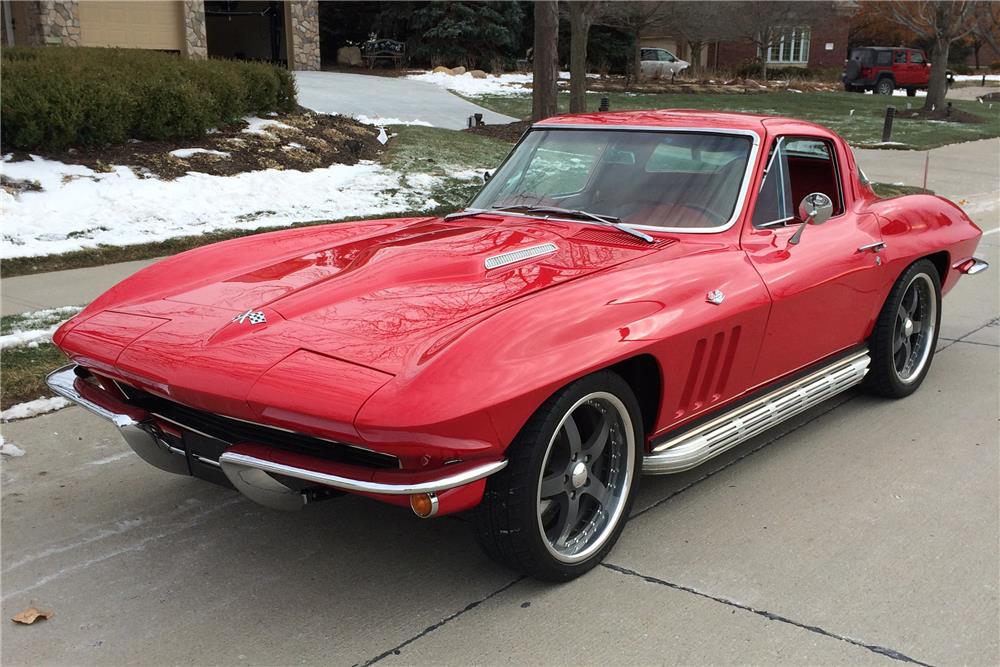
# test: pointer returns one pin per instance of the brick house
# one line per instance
(286, 31)
(818, 43)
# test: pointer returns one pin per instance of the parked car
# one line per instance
(884, 69)
(630, 293)
(660, 63)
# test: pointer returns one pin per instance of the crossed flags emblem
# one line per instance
(254, 317)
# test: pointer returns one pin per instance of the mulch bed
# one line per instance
(510, 132)
(953, 116)
(312, 141)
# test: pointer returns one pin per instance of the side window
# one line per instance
(899, 57)
(667, 56)
(883, 58)
(798, 166)
(916, 58)
(774, 206)
(647, 54)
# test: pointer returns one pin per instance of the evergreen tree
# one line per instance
(472, 34)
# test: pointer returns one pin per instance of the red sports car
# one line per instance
(629, 293)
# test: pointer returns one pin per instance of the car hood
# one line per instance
(367, 298)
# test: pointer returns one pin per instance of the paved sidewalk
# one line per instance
(386, 97)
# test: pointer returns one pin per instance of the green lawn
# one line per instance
(833, 110)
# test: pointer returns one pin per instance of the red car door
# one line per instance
(825, 291)
(901, 69)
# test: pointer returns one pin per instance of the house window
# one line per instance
(790, 45)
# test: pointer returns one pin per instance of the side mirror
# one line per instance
(486, 176)
(814, 209)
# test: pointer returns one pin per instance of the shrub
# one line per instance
(57, 97)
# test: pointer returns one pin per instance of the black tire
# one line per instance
(885, 86)
(510, 522)
(887, 375)
(911, 92)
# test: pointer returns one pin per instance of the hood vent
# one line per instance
(496, 261)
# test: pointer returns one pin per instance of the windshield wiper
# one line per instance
(606, 220)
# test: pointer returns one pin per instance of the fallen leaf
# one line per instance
(30, 615)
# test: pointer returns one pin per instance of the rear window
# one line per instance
(883, 58)
(863, 56)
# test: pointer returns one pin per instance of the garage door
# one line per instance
(150, 24)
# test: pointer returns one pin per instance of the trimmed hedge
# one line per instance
(57, 97)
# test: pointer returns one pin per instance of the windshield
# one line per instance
(655, 179)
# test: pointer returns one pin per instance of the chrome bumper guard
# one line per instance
(251, 475)
(136, 425)
(972, 266)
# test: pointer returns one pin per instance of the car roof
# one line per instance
(685, 118)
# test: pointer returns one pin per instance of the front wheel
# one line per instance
(911, 92)
(902, 345)
(564, 497)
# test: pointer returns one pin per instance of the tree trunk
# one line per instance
(636, 58)
(938, 86)
(695, 49)
(579, 31)
(546, 59)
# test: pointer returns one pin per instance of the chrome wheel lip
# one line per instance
(599, 540)
(926, 336)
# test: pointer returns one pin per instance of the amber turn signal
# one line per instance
(424, 505)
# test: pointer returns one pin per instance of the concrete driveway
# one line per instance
(386, 97)
(862, 532)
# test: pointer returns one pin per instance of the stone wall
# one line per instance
(195, 39)
(303, 34)
(58, 22)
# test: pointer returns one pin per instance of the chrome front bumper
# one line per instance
(248, 466)
(136, 425)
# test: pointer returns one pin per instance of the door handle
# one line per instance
(878, 246)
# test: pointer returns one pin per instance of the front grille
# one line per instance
(232, 431)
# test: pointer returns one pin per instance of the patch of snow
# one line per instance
(466, 84)
(467, 174)
(39, 406)
(41, 332)
(494, 84)
(378, 121)
(10, 449)
(257, 125)
(70, 214)
(293, 146)
(976, 77)
(189, 152)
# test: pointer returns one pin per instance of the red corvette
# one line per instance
(629, 293)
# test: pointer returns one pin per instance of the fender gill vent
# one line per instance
(496, 261)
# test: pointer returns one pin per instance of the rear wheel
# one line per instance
(564, 497)
(885, 86)
(902, 345)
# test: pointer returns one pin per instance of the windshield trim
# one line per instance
(741, 199)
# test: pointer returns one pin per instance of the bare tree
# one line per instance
(942, 23)
(634, 18)
(761, 23)
(544, 95)
(987, 29)
(582, 15)
(698, 24)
